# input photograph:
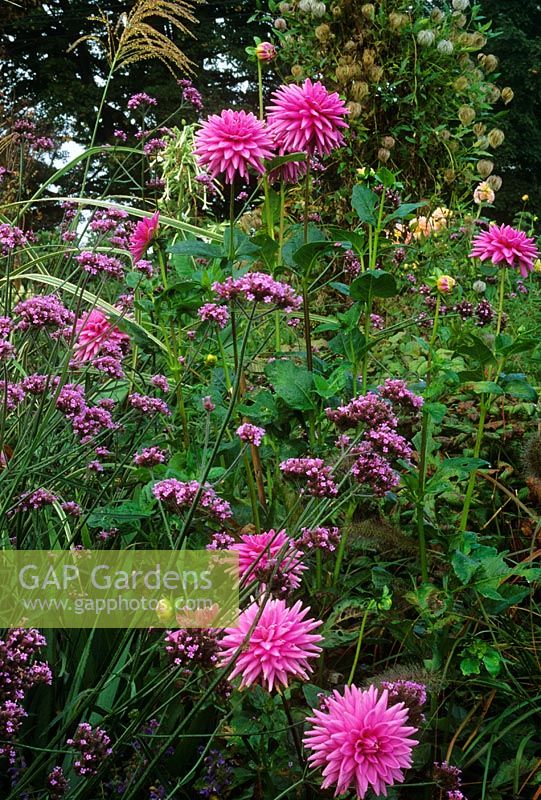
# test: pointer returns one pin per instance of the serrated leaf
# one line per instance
(464, 567)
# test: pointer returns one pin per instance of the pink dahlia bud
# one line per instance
(265, 51)
(445, 284)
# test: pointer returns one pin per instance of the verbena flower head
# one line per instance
(100, 264)
(178, 495)
(258, 287)
(94, 334)
(505, 245)
(280, 645)
(270, 556)
(251, 434)
(307, 118)
(141, 99)
(231, 142)
(360, 741)
(145, 231)
(42, 311)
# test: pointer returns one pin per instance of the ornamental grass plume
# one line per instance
(231, 142)
(307, 118)
(272, 649)
(141, 238)
(361, 741)
(506, 246)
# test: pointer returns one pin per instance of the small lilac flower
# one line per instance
(160, 382)
(251, 434)
(141, 99)
(150, 457)
(215, 313)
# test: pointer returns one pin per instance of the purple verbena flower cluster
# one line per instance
(93, 746)
(318, 477)
(190, 94)
(258, 287)
(250, 434)
(214, 313)
(321, 538)
(100, 264)
(177, 495)
(42, 311)
(141, 99)
(148, 405)
(412, 694)
(12, 237)
(150, 457)
(188, 646)
(19, 672)
(57, 784)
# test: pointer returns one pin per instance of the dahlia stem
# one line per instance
(232, 224)
(425, 429)
(305, 299)
(483, 409)
(294, 731)
(359, 643)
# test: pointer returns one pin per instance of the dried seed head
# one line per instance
(484, 167)
(359, 90)
(495, 182)
(355, 110)
(507, 94)
(461, 83)
(384, 154)
(495, 137)
(466, 115)
(368, 10)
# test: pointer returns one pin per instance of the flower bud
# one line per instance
(484, 167)
(388, 142)
(466, 115)
(283, 8)
(507, 94)
(397, 21)
(426, 38)
(495, 137)
(297, 71)
(445, 284)
(525, 198)
(437, 15)
(164, 610)
(479, 287)
(280, 24)
(460, 5)
(384, 154)
(265, 51)
(459, 18)
(208, 405)
(211, 360)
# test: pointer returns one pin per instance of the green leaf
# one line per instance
(519, 387)
(292, 383)
(355, 239)
(364, 202)
(437, 411)
(278, 161)
(196, 249)
(307, 254)
(402, 211)
(476, 349)
(470, 666)
(464, 567)
(484, 387)
(373, 283)
(492, 662)
(460, 466)
(350, 344)
(311, 693)
(110, 516)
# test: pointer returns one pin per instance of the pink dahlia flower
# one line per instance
(145, 231)
(502, 243)
(279, 645)
(307, 118)
(94, 333)
(361, 741)
(232, 142)
(260, 552)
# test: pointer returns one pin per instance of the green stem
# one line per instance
(253, 495)
(232, 224)
(364, 375)
(306, 280)
(501, 298)
(359, 643)
(377, 231)
(425, 430)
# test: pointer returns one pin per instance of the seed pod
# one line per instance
(492, 93)
(397, 21)
(495, 182)
(297, 71)
(368, 10)
(484, 167)
(479, 128)
(280, 24)
(459, 19)
(507, 94)
(426, 38)
(359, 90)
(369, 57)
(388, 142)
(323, 33)
(384, 154)
(488, 62)
(355, 110)
(446, 47)
(437, 15)
(461, 83)
(350, 46)
(495, 137)
(375, 73)
(466, 115)
(319, 10)
(342, 75)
